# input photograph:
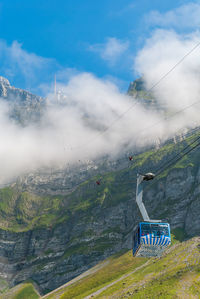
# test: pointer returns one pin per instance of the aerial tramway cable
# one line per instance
(174, 162)
(178, 159)
(131, 155)
(164, 166)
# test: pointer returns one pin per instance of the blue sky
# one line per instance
(41, 38)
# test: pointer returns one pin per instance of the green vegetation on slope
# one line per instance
(26, 291)
(175, 275)
(22, 291)
(20, 211)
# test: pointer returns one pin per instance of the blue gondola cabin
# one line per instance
(151, 239)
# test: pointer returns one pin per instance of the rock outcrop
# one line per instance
(25, 107)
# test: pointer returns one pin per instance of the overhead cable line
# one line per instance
(176, 156)
(179, 158)
(131, 155)
(179, 62)
(174, 162)
(163, 167)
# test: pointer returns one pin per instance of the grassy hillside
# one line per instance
(175, 275)
(21, 291)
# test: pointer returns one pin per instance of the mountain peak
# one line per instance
(4, 81)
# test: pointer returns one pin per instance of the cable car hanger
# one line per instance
(139, 193)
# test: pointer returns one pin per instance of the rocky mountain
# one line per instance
(24, 106)
(138, 90)
(54, 227)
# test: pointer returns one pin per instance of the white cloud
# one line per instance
(16, 62)
(26, 62)
(185, 16)
(181, 87)
(111, 50)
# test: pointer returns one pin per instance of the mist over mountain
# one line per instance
(87, 120)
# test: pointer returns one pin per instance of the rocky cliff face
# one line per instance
(138, 90)
(53, 256)
(65, 179)
(24, 106)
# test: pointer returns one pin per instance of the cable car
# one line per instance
(150, 237)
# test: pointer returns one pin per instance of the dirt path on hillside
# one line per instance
(187, 281)
(84, 274)
(185, 284)
(114, 282)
